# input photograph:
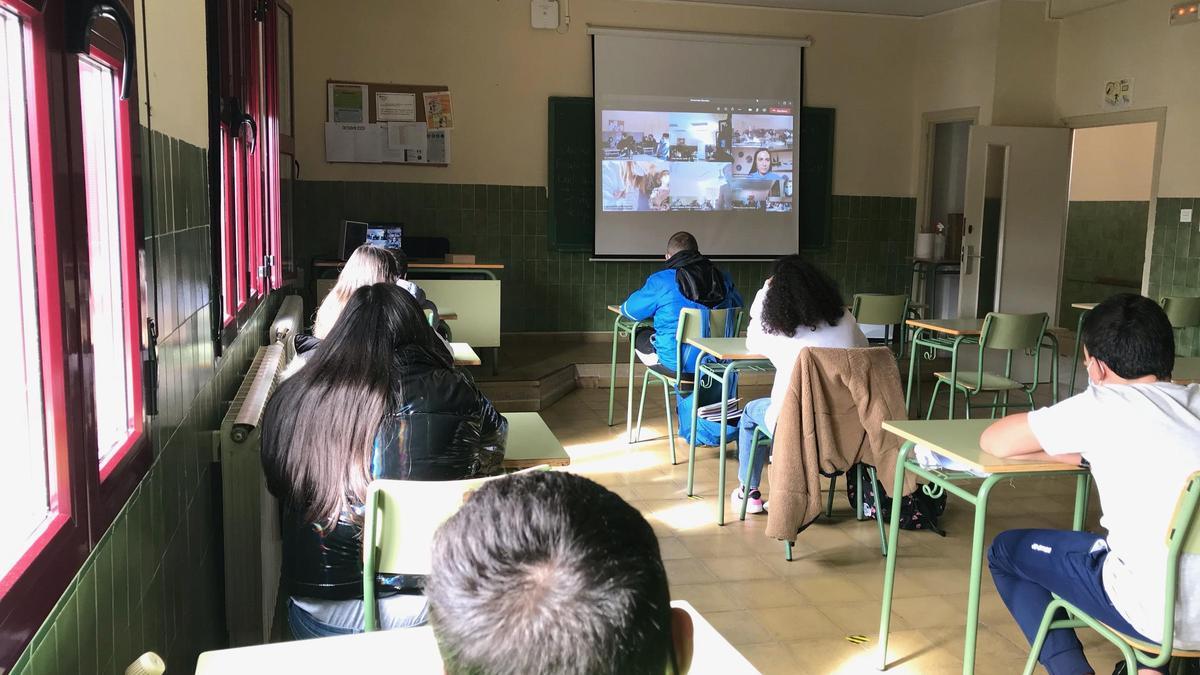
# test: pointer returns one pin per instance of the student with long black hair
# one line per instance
(379, 398)
(798, 306)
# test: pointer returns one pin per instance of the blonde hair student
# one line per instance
(367, 265)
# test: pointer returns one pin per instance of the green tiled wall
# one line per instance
(1175, 260)
(154, 580)
(545, 290)
(1105, 253)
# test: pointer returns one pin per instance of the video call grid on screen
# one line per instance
(707, 155)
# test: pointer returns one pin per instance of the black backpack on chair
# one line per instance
(918, 511)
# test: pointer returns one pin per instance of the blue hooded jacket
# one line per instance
(661, 298)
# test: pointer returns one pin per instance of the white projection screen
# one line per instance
(696, 132)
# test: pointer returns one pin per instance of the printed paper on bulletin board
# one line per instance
(391, 135)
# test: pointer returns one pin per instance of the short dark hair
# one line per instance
(1130, 333)
(401, 262)
(682, 241)
(549, 572)
(801, 294)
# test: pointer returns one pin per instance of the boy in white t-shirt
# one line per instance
(1140, 434)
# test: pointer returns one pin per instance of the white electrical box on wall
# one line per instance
(543, 14)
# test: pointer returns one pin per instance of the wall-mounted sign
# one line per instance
(1118, 94)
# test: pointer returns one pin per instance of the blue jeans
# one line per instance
(305, 626)
(753, 415)
(1028, 565)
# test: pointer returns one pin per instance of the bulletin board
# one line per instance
(367, 141)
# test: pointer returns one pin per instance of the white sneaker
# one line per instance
(755, 505)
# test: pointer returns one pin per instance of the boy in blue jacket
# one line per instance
(688, 280)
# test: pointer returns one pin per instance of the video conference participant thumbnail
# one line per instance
(628, 185)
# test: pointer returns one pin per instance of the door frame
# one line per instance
(1157, 115)
(929, 120)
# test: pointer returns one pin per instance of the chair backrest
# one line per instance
(1182, 312)
(885, 310)
(1013, 331)
(402, 516)
(1182, 537)
(721, 323)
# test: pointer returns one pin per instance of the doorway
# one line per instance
(1108, 214)
(939, 234)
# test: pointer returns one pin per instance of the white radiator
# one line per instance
(251, 514)
(288, 321)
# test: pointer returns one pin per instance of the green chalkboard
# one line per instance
(571, 220)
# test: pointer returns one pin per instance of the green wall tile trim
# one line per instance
(154, 580)
(1104, 253)
(547, 290)
(1175, 260)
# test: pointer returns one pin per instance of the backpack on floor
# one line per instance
(918, 511)
(707, 432)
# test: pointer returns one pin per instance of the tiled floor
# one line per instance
(794, 617)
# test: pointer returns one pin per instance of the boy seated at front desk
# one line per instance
(1138, 432)
(688, 280)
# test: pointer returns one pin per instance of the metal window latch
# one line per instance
(150, 369)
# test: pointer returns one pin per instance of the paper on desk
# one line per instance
(928, 458)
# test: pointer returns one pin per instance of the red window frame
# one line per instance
(82, 502)
(129, 263)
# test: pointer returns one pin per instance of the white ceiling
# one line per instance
(1058, 8)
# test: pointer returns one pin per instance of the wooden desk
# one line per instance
(1086, 307)
(531, 443)
(719, 358)
(959, 440)
(968, 327)
(416, 649)
(623, 325)
(1187, 370)
(463, 354)
(447, 314)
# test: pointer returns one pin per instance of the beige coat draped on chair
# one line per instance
(832, 417)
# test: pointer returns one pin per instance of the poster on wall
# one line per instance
(438, 111)
(348, 103)
(1118, 93)
(395, 107)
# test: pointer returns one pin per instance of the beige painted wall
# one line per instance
(1113, 164)
(1027, 46)
(956, 61)
(501, 72)
(174, 41)
(1133, 39)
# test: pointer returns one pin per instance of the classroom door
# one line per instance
(1016, 208)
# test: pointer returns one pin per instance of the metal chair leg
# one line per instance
(858, 502)
(937, 386)
(641, 406)
(670, 426)
(832, 487)
(878, 509)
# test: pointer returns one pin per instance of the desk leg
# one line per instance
(629, 402)
(612, 370)
(721, 455)
(1082, 488)
(981, 501)
(893, 542)
(1054, 369)
(1075, 357)
(912, 369)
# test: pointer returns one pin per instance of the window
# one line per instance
(252, 60)
(24, 490)
(112, 255)
(74, 418)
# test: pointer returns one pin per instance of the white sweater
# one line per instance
(783, 350)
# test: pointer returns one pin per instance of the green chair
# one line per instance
(431, 317)
(1007, 333)
(1182, 312)
(1183, 536)
(883, 310)
(689, 327)
(398, 527)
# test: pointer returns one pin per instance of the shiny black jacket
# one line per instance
(442, 429)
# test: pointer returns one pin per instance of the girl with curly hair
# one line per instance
(798, 306)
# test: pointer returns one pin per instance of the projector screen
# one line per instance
(696, 132)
